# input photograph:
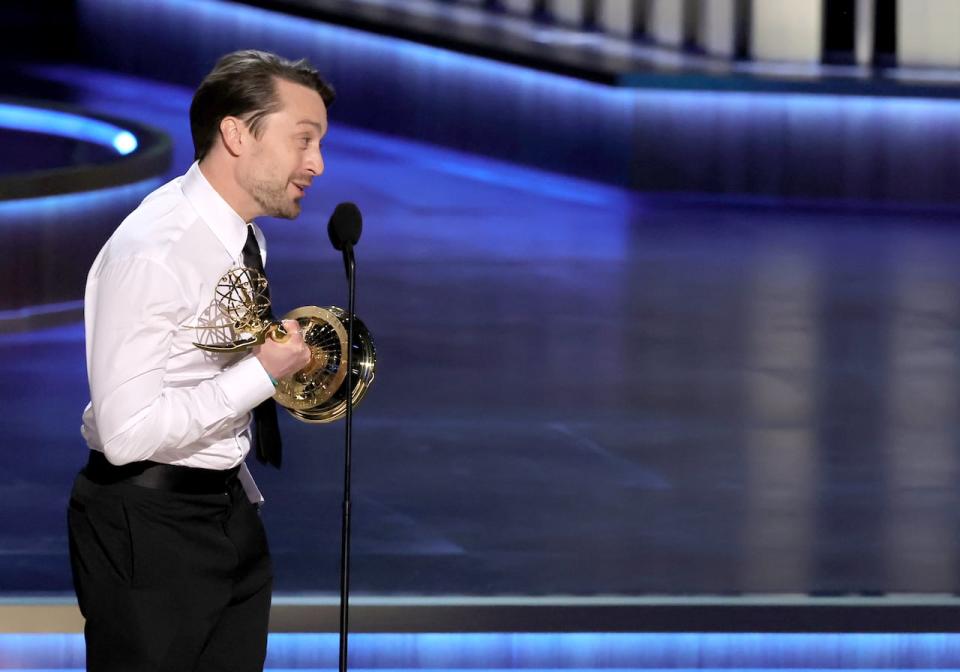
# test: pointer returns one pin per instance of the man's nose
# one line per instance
(314, 163)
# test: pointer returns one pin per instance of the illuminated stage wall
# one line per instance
(828, 144)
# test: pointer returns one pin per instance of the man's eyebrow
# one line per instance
(316, 125)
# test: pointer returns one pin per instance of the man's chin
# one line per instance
(289, 212)
(279, 207)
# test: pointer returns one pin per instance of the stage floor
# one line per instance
(580, 390)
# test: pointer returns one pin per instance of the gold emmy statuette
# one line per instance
(318, 392)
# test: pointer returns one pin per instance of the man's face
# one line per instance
(285, 159)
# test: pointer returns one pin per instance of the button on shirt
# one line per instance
(154, 395)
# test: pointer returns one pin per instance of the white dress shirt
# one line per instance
(154, 395)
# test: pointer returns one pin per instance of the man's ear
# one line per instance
(232, 133)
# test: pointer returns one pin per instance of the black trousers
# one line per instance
(169, 581)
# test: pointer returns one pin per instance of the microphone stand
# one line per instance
(350, 266)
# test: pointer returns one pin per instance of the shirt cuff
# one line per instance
(246, 384)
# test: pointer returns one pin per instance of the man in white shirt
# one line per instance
(169, 557)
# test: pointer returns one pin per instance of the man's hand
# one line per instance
(283, 359)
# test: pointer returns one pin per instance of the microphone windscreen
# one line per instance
(345, 225)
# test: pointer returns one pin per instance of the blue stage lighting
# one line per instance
(556, 651)
(62, 207)
(125, 142)
(67, 124)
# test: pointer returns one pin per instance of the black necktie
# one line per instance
(266, 431)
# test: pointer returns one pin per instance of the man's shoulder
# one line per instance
(155, 228)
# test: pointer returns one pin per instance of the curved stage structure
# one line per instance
(129, 152)
(69, 178)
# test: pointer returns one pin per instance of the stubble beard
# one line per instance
(274, 200)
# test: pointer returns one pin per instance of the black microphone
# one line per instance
(345, 225)
(344, 230)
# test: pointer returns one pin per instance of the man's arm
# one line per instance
(139, 306)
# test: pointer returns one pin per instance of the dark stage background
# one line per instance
(652, 340)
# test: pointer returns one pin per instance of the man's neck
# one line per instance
(223, 182)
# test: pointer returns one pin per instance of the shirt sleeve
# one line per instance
(138, 307)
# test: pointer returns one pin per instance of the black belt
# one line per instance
(170, 477)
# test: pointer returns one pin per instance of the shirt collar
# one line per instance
(226, 224)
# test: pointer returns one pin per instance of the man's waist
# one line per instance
(159, 476)
(222, 450)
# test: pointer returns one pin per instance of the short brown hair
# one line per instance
(243, 84)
